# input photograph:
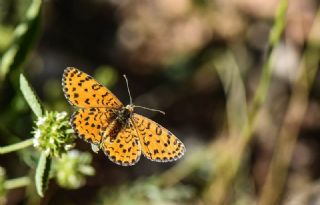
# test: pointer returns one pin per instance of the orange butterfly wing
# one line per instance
(157, 143)
(96, 123)
(83, 91)
(124, 148)
(87, 123)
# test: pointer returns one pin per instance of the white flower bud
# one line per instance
(61, 115)
(41, 121)
(36, 142)
(68, 147)
(37, 134)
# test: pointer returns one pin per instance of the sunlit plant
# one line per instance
(53, 137)
(52, 134)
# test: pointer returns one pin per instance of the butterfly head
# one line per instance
(124, 113)
(129, 108)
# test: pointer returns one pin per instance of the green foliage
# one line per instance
(24, 37)
(280, 22)
(2, 183)
(5, 37)
(274, 39)
(53, 134)
(231, 162)
(42, 173)
(234, 89)
(71, 169)
(16, 146)
(227, 168)
(147, 191)
(30, 96)
(106, 75)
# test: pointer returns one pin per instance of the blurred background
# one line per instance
(201, 62)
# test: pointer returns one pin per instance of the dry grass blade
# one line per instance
(278, 170)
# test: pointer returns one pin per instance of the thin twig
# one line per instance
(16, 183)
(17, 146)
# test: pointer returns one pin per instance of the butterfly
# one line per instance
(102, 120)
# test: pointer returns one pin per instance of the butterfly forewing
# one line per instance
(87, 123)
(83, 91)
(124, 147)
(103, 121)
(157, 143)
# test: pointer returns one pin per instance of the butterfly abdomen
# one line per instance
(111, 130)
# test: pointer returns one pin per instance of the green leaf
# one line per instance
(229, 73)
(30, 96)
(42, 173)
(24, 37)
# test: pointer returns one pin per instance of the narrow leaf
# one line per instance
(30, 96)
(24, 38)
(232, 82)
(42, 173)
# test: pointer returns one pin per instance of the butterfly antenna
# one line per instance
(146, 108)
(125, 77)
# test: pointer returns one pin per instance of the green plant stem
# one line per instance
(25, 35)
(261, 92)
(278, 171)
(218, 190)
(17, 146)
(16, 183)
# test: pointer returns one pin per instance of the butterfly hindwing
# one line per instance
(101, 119)
(123, 147)
(87, 123)
(83, 91)
(157, 143)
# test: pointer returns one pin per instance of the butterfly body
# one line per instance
(101, 119)
(125, 113)
(121, 118)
